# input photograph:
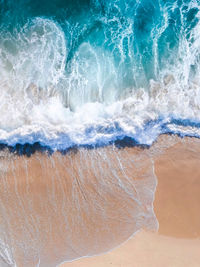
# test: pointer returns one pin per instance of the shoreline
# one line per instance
(103, 197)
(180, 243)
(29, 149)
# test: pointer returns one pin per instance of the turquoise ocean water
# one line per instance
(91, 72)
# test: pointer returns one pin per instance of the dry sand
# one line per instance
(147, 250)
(86, 202)
(177, 206)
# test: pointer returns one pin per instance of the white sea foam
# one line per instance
(42, 102)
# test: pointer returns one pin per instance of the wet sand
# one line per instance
(62, 207)
(89, 201)
(177, 202)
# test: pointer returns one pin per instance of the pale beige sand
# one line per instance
(91, 201)
(147, 250)
(177, 206)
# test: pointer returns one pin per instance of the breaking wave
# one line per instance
(91, 72)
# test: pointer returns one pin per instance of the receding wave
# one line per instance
(61, 208)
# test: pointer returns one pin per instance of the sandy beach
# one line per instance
(148, 249)
(90, 201)
(177, 200)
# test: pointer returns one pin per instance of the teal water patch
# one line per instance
(70, 66)
(142, 36)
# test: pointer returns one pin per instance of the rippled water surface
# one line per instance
(90, 72)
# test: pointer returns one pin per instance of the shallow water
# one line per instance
(64, 207)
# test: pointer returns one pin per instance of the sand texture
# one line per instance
(87, 202)
(177, 201)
